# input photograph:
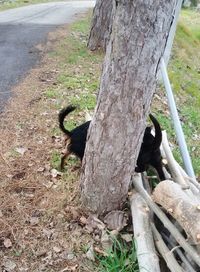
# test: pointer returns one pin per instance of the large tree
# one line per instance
(101, 25)
(139, 33)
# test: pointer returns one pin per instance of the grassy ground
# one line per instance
(40, 209)
(184, 74)
(19, 3)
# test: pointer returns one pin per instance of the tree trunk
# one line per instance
(140, 30)
(101, 25)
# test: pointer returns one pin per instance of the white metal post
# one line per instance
(172, 32)
(177, 125)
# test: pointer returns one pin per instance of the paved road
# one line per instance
(21, 29)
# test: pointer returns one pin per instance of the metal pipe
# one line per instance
(177, 125)
(172, 32)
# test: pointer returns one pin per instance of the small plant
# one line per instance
(50, 93)
(122, 258)
(55, 159)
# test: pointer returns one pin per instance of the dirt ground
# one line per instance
(40, 228)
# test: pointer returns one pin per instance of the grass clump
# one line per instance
(122, 257)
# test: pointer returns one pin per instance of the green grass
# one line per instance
(55, 159)
(20, 3)
(77, 82)
(121, 258)
(184, 74)
(51, 93)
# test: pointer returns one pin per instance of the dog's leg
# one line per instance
(159, 170)
(63, 158)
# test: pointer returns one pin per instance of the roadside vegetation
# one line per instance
(184, 73)
(40, 208)
(4, 5)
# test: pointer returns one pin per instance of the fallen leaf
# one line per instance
(19, 175)
(106, 241)
(116, 220)
(41, 169)
(94, 223)
(83, 220)
(7, 243)
(48, 232)
(34, 221)
(41, 253)
(100, 251)
(73, 212)
(90, 253)
(66, 255)
(55, 173)
(57, 249)
(9, 265)
(127, 237)
(70, 268)
(21, 150)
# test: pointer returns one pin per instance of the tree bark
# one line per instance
(139, 34)
(101, 25)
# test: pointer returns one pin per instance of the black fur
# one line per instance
(77, 136)
(149, 152)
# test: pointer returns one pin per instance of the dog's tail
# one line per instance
(62, 114)
(158, 133)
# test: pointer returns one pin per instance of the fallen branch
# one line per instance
(185, 263)
(175, 172)
(164, 251)
(146, 253)
(185, 210)
(137, 182)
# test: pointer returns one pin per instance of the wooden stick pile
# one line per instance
(166, 222)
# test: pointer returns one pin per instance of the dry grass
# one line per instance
(37, 231)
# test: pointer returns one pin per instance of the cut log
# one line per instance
(181, 206)
(146, 253)
(137, 182)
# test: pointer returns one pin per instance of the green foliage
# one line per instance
(121, 258)
(85, 101)
(20, 3)
(51, 93)
(185, 79)
(55, 159)
(82, 26)
(79, 81)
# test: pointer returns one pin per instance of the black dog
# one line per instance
(149, 152)
(76, 138)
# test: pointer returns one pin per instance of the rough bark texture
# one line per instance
(140, 30)
(101, 25)
(184, 209)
